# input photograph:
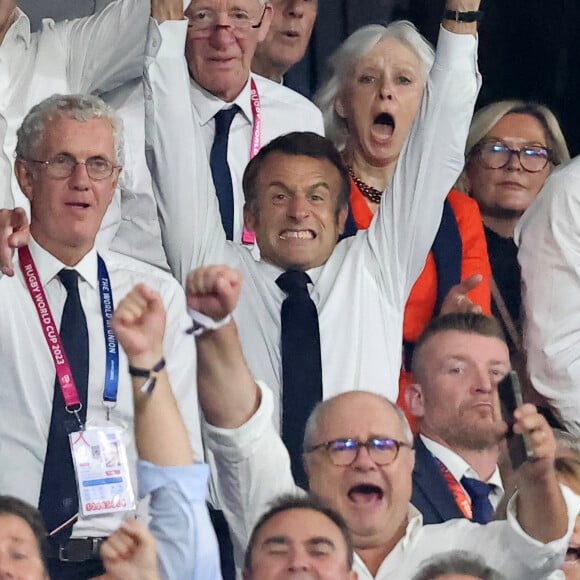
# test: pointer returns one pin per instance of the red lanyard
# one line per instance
(249, 237)
(463, 502)
(51, 334)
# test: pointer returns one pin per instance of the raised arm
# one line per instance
(432, 157)
(228, 394)
(160, 433)
(183, 186)
(541, 509)
(106, 49)
(187, 547)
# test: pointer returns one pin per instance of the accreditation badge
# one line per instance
(102, 471)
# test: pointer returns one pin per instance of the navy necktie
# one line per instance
(58, 493)
(479, 492)
(220, 170)
(301, 365)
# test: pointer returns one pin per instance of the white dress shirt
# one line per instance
(85, 55)
(254, 468)
(361, 291)
(459, 468)
(139, 233)
(548, 236)
(28, 373)
(282, 110)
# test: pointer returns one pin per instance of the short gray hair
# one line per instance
(457, 562)
(345, 58)
(77, 107)
(312, 424)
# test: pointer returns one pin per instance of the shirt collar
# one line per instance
(456, 465)
(414, 525)
(20, 28)
(48, 266)
(272, 271)
(206, 104)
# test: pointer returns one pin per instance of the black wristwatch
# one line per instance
(457, 16)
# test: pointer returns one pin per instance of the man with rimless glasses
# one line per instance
(359, 457)
(238, 112)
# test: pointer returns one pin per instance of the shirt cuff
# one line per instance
(166, 39)
(453, 49)
(554, 547)
(238, 443)
(190, 479)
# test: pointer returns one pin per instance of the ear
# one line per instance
(266, 21)
(250, 218)
(339, 106)
(342, 215)
(415, 400)
(306, 465)
(25, 178)
(463, 182)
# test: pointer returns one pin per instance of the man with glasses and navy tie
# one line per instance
(237, 112)
(359, 458)
(66, 443)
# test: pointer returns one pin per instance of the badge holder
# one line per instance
(102, 471)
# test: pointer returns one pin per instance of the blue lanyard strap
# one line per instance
(111, 342)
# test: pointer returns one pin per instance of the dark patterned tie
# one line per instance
(301, 365)
(479, 492)
(58, 493)
(220, 170)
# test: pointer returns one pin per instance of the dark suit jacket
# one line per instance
(431, 495)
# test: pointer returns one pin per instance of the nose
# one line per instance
(514, 163)
(222, 34)
(299, 560)
(363, 460)
(296, 8)
(79, 178)
(386, 90)
(483, 382)
(6, 567)
(298, 208)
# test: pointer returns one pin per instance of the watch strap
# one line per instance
(457, 16)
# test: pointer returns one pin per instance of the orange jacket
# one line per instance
(421, 303)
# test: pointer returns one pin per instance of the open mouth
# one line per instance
(78, 204)
(384, 125)
(573, 554)
(291, 33)
(365, 493)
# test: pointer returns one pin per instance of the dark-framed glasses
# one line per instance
(239, 20)
(343, 452)
(63, 165)
(495, 155)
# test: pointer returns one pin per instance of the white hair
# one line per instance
(345, 58)
(78, 107)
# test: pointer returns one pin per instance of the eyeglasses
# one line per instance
(343, 452)
(495, 155)
(63, 165)
(238, 20)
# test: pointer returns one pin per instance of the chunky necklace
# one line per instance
(367, 190)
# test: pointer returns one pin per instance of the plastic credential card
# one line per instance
(102, 471)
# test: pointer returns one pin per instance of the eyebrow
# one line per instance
(277, 540)
(283, 540)
(312, 187)
(321, 540)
